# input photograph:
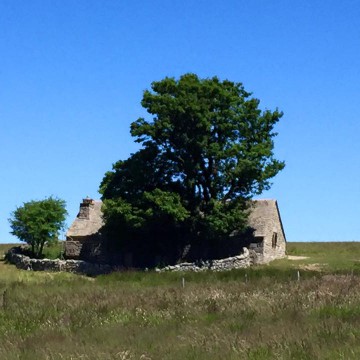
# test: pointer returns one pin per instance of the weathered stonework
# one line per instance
(235, 262)
(83, 239)
(269, 236)
(24, 262)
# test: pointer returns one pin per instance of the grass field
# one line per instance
(266, 312)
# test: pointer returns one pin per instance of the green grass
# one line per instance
(4, 248)
(334, 257)
(53, 251)
(258, 313)
(323, 248)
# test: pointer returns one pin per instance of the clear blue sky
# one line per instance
(72, 75)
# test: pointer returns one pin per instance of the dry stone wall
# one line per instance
(246, 259)
(14, 256)
(24, 262)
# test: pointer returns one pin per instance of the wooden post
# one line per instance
(4, 299)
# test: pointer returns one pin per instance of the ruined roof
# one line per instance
(261, 213)
(87, 225)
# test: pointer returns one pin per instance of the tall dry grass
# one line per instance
(267, 314)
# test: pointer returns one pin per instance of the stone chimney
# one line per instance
(85, 208)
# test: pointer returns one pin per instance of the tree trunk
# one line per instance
(41, 248)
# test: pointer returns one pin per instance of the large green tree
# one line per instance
(206, 150)
(38, 222)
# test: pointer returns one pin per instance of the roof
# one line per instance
(87, 226)
(263, 211)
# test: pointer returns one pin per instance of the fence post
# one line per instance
(4, 299)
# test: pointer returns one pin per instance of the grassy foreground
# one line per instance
(262, 313)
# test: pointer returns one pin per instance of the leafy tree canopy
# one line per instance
(38, 222)
(206, 150)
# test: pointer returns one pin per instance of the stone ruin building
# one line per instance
(269, 241)
(84, 239)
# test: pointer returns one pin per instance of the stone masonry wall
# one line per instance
(265, 220)
(236, 262)
(272, 253)
(24, 262)
(75, 266)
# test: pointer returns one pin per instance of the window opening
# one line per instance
(274, 240)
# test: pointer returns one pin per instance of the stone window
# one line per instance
(274, 240)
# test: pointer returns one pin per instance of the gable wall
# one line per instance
(265, 219)
(271, 253)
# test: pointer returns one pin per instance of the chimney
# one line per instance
(85, 208)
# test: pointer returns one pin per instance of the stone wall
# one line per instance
(266, 222)
(235, 262)
(24, 262)
(271, 252)
(14, 256)
(89, 249)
